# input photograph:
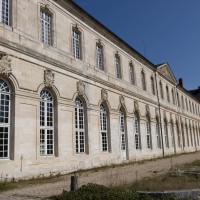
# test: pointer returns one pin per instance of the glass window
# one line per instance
(46, 123)
(166, 134)
(76, 43)
(148, 129)
(132, 74)
(104, 128)
(4, 119)
(99, 54)
(161, 90)
(80, 126)
(143, 80)
(45, 27)
(158, 134)
(152, 86)
(167, 91)
(137, 133)
(5, 11)
(122, 131)
(118, 66)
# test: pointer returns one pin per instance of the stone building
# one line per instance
(76, 96)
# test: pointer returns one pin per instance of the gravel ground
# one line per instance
(111, 176)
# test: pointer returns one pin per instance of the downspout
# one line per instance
(160, 120)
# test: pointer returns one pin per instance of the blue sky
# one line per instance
(161, 30)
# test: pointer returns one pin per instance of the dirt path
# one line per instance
(110, 176)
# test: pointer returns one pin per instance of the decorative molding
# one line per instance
(104, 95)
(122, 100)
(5, 64)
(80, 87)
(48, 78)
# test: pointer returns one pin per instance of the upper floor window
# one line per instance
(152, 86)
(132, 74)
(166, 134)
(99, 56)
(161, 90)
(46, 123)
(76, 43)
(173, 98)
(167, 91)
(182, 102)
(186, 103)
(178, 100)
(143, 80)
(5, 11)
(148, 129)
(45, 27)
(4, 120)
(118, 66)
(80, 125)
(158, 133)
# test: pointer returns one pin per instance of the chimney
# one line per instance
(180, 82)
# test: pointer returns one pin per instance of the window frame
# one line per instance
(100, 56)
(118, 69)
(6, 14)
(132, 73)
(143, 80)
(137, 137)
(77, 51)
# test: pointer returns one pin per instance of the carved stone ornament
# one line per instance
(104, 95)
(136, 105)
(48, 78)
(5, 64)
(80, 87)
(122, 100)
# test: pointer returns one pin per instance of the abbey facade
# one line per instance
(75, 96)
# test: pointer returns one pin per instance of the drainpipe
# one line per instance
(160, 120)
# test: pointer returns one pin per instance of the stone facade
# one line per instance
(30, 64)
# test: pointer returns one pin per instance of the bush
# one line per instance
(99, 192)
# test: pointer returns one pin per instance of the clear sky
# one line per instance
(161, 30)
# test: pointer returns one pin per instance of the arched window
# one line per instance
(183, 135)
(190, 106)
(123, 134)
(167, 92)
(80, 125)
(173, 99)
(5, 12)
(118, 66)
(186, 103)
(99, 56)
(132, 74)
(178, 100)
(166, 134)
(5, 120)
(76, 43)
(158, 133)
(178, 134)
(137, 132)
(148, 132)
(152, 86)
(161, 90)
(143, 80)
(191, 137)
(182, 101)
(104, 128)
(172, 134)
(186, 129)
(46, 123)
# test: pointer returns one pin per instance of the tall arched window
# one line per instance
(178, 100)
(161, 90)
(158, 133)
(191, 137)
(143, 80)
(182, 102)
(167, 92)
(178, 134)
(118, 66)
(99, 56)
(104, 128)
(132, 74)
(46, 123)
(166, 134)
(152, 86)
(148, 132)
(76, 43)
(137, 132)
(123, 134)
(4, 119)
(183, 135)
(172, 133)
(173, 99)
(186, 103)
(186, 129)
(190, 106)
(80, 125)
